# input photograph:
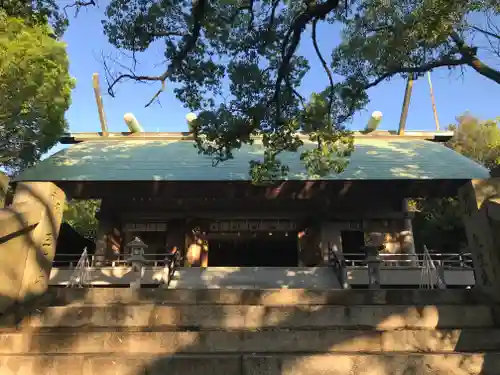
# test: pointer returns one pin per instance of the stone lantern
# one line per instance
(136, 250)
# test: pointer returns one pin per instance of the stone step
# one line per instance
(255, 317)
(264, 297)
(305, 364)
(255, 278)
(267, 341)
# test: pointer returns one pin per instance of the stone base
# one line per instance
(261, 332)
(322, 364)
(251, 341)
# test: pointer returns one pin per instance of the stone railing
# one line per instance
(28, 235)
(396, 270)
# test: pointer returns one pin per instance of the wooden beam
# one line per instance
(346, 215)
(434, 109)
(406, 105)
(100, 106)
(73, 138)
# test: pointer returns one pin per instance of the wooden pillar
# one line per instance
(204, 254)
(331, 239)
(310, 251)
(4, 187)
(474, 197)
(176, 241)
(373, 261)
(104, 232)
(406, 235)
(40, 243)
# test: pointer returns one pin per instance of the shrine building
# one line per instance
(155, 186)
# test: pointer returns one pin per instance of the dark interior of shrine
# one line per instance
(353, 243)
(264, 251)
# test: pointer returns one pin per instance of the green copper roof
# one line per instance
(135, 160)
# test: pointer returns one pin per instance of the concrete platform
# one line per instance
(255, 278)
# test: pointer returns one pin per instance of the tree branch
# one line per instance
(161, 34)
(325, 65)
(78, 5)
(445, 61)
(198, 11)
(289, 48)
(469, 55)
(486, 32)
(272, 16)
(247, 6)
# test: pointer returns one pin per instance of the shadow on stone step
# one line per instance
(193, 354)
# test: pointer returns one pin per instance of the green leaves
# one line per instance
(267, 171)
(236, 64)
(81, 215)
(240, 78)
(438, 223)
(36, 88)
(478, 140)
(409, 37)
(39, 13)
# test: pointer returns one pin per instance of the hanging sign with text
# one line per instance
(253, 226)
(145, 227)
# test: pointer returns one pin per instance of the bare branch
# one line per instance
(189, 41)
(78, 5)
(486, 32)
(289, 47)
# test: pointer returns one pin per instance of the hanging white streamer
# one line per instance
(429, 272)
(81, 275)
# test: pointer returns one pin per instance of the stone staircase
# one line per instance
(108, 331)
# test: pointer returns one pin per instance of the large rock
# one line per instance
(28, 237)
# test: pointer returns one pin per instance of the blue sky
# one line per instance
(454, 93)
